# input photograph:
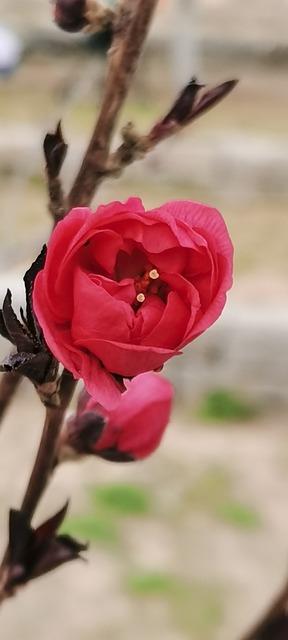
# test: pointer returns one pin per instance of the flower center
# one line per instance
(146, 283)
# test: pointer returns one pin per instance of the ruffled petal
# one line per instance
(97, 314)
(127, 360)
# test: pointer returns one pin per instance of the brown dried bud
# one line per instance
(188, 106)
(55, 150)
(70, 15)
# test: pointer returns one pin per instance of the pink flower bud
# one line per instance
(131, 431)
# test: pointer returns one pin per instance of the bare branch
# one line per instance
(274, 623)
(43, 466)
(185, 110)
(46, 454)
(130, 29)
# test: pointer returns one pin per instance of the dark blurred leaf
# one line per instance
(36, 367)
(34, 552)
(18, 333)
(49, 528)
(3, 329)
(29, 278)
(19, 535)
(184, 103)
(187, 107)
(211, 97)
(55, 150)
(33, 358)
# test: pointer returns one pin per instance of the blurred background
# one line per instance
(191, 543)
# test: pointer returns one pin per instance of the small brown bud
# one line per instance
(70, 15)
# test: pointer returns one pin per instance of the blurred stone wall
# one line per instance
(254, 24)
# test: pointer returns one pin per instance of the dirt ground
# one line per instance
(199, 561)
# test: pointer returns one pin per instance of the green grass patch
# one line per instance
(210, 490)
(122, 499)
(91, 527)
(151, 584)
(196, 608)
(213, 493)
(238, 515)
(222, 405)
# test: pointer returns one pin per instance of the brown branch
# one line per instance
(43, 465)
(130, 29)
(47, 449)
(273, 625)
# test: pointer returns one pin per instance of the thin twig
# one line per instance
(46, 453)
(43, 465)
(131, 27)
(273, 625)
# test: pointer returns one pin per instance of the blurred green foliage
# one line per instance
(210, 489)
(108, 503)
(239, 515)
(94, 527)
(150, 583)
(213, 493)
(195, 608)
(123, 499)
(222, 405)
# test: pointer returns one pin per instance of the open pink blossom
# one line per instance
(131, 431)
(124, 289)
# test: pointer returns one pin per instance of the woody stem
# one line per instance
(273, 625)
(47, 449)
(131, 27)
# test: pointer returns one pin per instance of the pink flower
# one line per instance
(131, 431)
(124, 289)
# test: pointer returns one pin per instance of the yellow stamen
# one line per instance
(140, 297)
(153, 274)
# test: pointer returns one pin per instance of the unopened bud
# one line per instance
(70, 15)
(131, 431)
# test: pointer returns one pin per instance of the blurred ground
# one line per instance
(189, 544)
(192, 543)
